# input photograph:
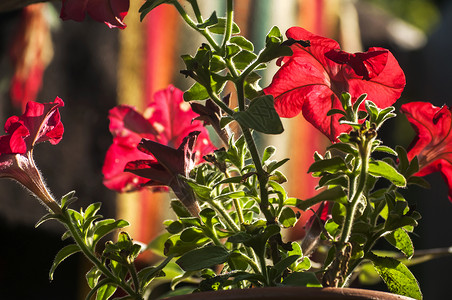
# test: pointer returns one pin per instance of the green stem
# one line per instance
(218, 102)
(263, 267)
(226, 217)
(192, 24)
(134, 275)
(352, 206)
(92, 257)
(261, 175)
(238, 207)
(229, 24)
(194, 5)
(253, 264)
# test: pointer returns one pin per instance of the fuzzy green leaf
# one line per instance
(331, 165)
(242, 43)
(150, 5)
(261, 116)
(302, 279)
(402, 241)
(380, 168)
(220, 27)
(203, 258)
(106, 291)
(397, 276)
(106, 226)
(288, 218)
(335, 194)
(62, 255)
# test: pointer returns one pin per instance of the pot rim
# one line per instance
(290, 292)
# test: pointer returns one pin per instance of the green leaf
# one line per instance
(274, 33)
(242, 43)
(62, 255)
(413, 167)
(225, 121)
(359, 101)
(146, 275)
(331, 165)
(268, 153)
(281, 266)
(48, 217)
(288, 218)
(191, 234)
(92, 277)
(198, 92)
(67, 199)
(261, 116)
(397, 276)
(202, 191)
(173, 227)
(335, 194)
(150, 5)
(177, 247)
(402, 241)
(220, 27)
(106, 226)
(211, 21)
(179, 209)
(334, 111)
(346, 148)
(302, 279)
(385, 149)
(403, 158)
(230, 195)
(276, 164)
(244, 58)
(92, 209)
(380, 168)
(106, 291)
(203, 258)
(419, 181)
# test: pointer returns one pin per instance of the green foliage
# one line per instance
(396, 276)
(150, 5)
(261, 116)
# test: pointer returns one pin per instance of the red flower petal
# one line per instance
(433, 142)
(40, 122)
(73, 10)
(15, 142)
(312, 79)
(165, 121)
(116, 159)
(111, 12)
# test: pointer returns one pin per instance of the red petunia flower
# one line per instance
(165, 166)
(167, 120)
(39, 123)
(111, 12)
(311, 80)
(433, 142)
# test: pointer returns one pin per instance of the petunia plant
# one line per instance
(231, 210)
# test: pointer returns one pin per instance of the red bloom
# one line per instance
(111, 12)
(165, 166)
(167, 120)
(433, 142)
(39, 123)
(312, 79)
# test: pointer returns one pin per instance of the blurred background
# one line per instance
(93, 68)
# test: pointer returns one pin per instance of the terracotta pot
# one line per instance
(292, 293)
